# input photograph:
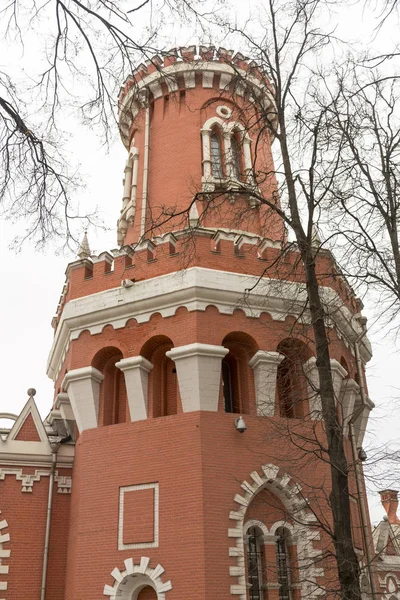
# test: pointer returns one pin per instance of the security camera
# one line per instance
(126, 283)
(240, 425)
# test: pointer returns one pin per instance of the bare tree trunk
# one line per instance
(346, 559)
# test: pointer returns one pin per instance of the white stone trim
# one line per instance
(133, 488)
(265, 366)
(30, 408)
(4, 553)
(136, 371)
(83, 388)
(198, 368)
(130, 104)
(64, 482)
(15, 452)
(196, 288)
(290, 495)
(134, 578)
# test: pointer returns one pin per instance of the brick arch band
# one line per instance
(4, 553)
(290, 495)
(134, 578)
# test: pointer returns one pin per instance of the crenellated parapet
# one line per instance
(228, 251)
(181, 69)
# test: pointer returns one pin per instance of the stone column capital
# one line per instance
(80, 374)
(265, 357)
(134, 362)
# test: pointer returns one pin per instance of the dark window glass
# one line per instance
(254, 564)
(236, 158)
(283, 567)
(216, 160)
(227, 387)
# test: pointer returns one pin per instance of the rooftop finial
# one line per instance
(84, 248)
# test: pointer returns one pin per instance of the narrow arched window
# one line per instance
(216, 156)
(254, 563)
(227, 386)
(283, 563)
(236, 158)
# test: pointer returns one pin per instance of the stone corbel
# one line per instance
(348, 395)
(83, 388)
(198, 368)
(361, 419)
(311, 372)
(136, 371)
(338, 375)
(265, 365)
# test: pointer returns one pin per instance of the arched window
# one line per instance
(237, 377)
(255, 563)
(236, 158)
(283, 563)
(113, 406)
(163, 389)
(227, 386)
(216, 155)
(291, 381)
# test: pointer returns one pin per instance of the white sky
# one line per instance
(32, 283)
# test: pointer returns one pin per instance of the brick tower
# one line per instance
(165, 350)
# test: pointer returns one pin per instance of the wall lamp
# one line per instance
(240, 425)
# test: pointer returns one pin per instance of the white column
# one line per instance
(83, 388)
(348, 395)
(265, 366)
(206, 139)
(199, 374)
(311, 372)
(136, 372)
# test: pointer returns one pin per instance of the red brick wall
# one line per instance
(26, 517)
(28, 431)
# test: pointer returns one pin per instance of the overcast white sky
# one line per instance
(31, 284)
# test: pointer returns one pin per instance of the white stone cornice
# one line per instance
(196, 288)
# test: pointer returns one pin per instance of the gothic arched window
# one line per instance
(291, 380)
(283, 563)
(255, 562)
(216, 155)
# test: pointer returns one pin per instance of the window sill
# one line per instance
(229, 185)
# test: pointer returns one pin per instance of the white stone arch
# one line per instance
(284, 525)
(255, 523)
(290, 495)
(4, 553)
(129, 582)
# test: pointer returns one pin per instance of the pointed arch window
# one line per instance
(216, 155)
(255, 562)
(283, 563)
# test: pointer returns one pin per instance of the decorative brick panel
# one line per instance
(138, 516)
